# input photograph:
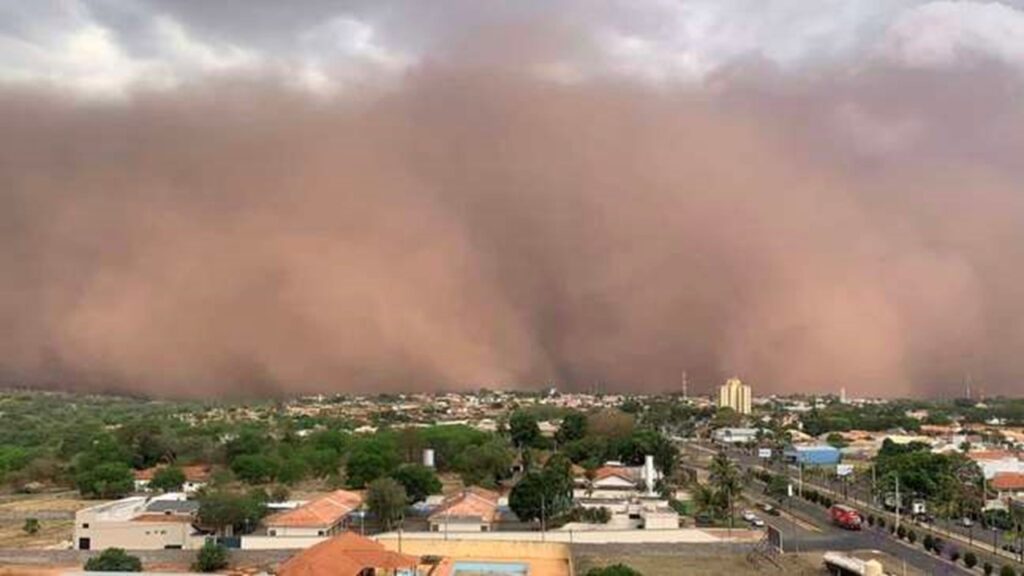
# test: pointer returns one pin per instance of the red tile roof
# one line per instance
(345, 555)
(323, 512)
(1008, 481)
(473, 502)
(614, 471)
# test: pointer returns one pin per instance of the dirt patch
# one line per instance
(51, 533)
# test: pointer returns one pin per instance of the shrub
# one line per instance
(970, 560)
(881, 522)
(911, 536)
(901, 532)
(211, 557)
(954, 554)
(871, 519)
(937, 545)
(1007, 571)
(613, 570)
(928, 542)
(987, 568)
(113, 560)
(31, 526)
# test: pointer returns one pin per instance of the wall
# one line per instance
(254, 542)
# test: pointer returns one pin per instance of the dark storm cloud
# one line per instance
(522, 201)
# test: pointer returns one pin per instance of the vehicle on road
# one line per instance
(756, 522)
(769, 509)
(748, 515)
(966, 522)
(845, 517)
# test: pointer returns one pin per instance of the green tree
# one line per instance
(528, 498)
(523, 429)
(614, 570)
(229, 512)
(970, 559)
(255, 468)
(369, 461)
(485, 464)
(106, 480)
(386, 500)
(31, 526)
(777, 487)
(574, 427)
(211, 557)
(725, 478)
(1007, 570)
(113, 560)
(419, 481)
(168, 479)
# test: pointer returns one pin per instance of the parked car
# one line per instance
(769, 509)
(756, 522)
(925, 518)
(966, 522)
(703, 520)
(748, 515)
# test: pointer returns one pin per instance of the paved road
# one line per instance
(830, 537)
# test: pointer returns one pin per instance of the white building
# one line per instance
(325, 516)
(736, 395)
(139, 523)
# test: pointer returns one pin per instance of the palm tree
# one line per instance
(706, 500)
(725, 478)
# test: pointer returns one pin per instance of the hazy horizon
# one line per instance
(203, 198)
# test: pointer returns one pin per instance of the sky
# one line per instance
(249, 197)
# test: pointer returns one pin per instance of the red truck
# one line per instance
(845, 517)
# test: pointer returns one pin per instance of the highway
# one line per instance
(806, 527)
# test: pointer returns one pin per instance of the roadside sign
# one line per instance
(789, 490)
(764, 452)
(844, 469)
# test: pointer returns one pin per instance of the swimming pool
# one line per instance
(490, 569)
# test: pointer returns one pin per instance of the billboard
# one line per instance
(764, 452)
(844, 469)
(774, 538)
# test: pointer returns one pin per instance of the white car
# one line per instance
(756, 522)
(966, 522)
(748, 516)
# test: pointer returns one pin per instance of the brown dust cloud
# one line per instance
(477, 226)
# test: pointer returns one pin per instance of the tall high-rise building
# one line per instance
(736, 395)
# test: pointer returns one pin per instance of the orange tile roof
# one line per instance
(473, 502)
(613, 471)
(990, 455)
(1008, 481)
(324, 511)
(347, 554)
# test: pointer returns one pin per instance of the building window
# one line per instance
(272, 532)
(86, 525)
(320, 533)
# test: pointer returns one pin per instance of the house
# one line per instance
(1008, 485)
(993, 462)
(325, 516)
(196, 476)
(472, 510)
(349, 554)
(139, 523)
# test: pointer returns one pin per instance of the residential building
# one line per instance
(1008, 485)
(196, 477)
(474, 509)
(349, 554)
(736, 395)
(993, 462)
(139, 523)
(326, 516)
